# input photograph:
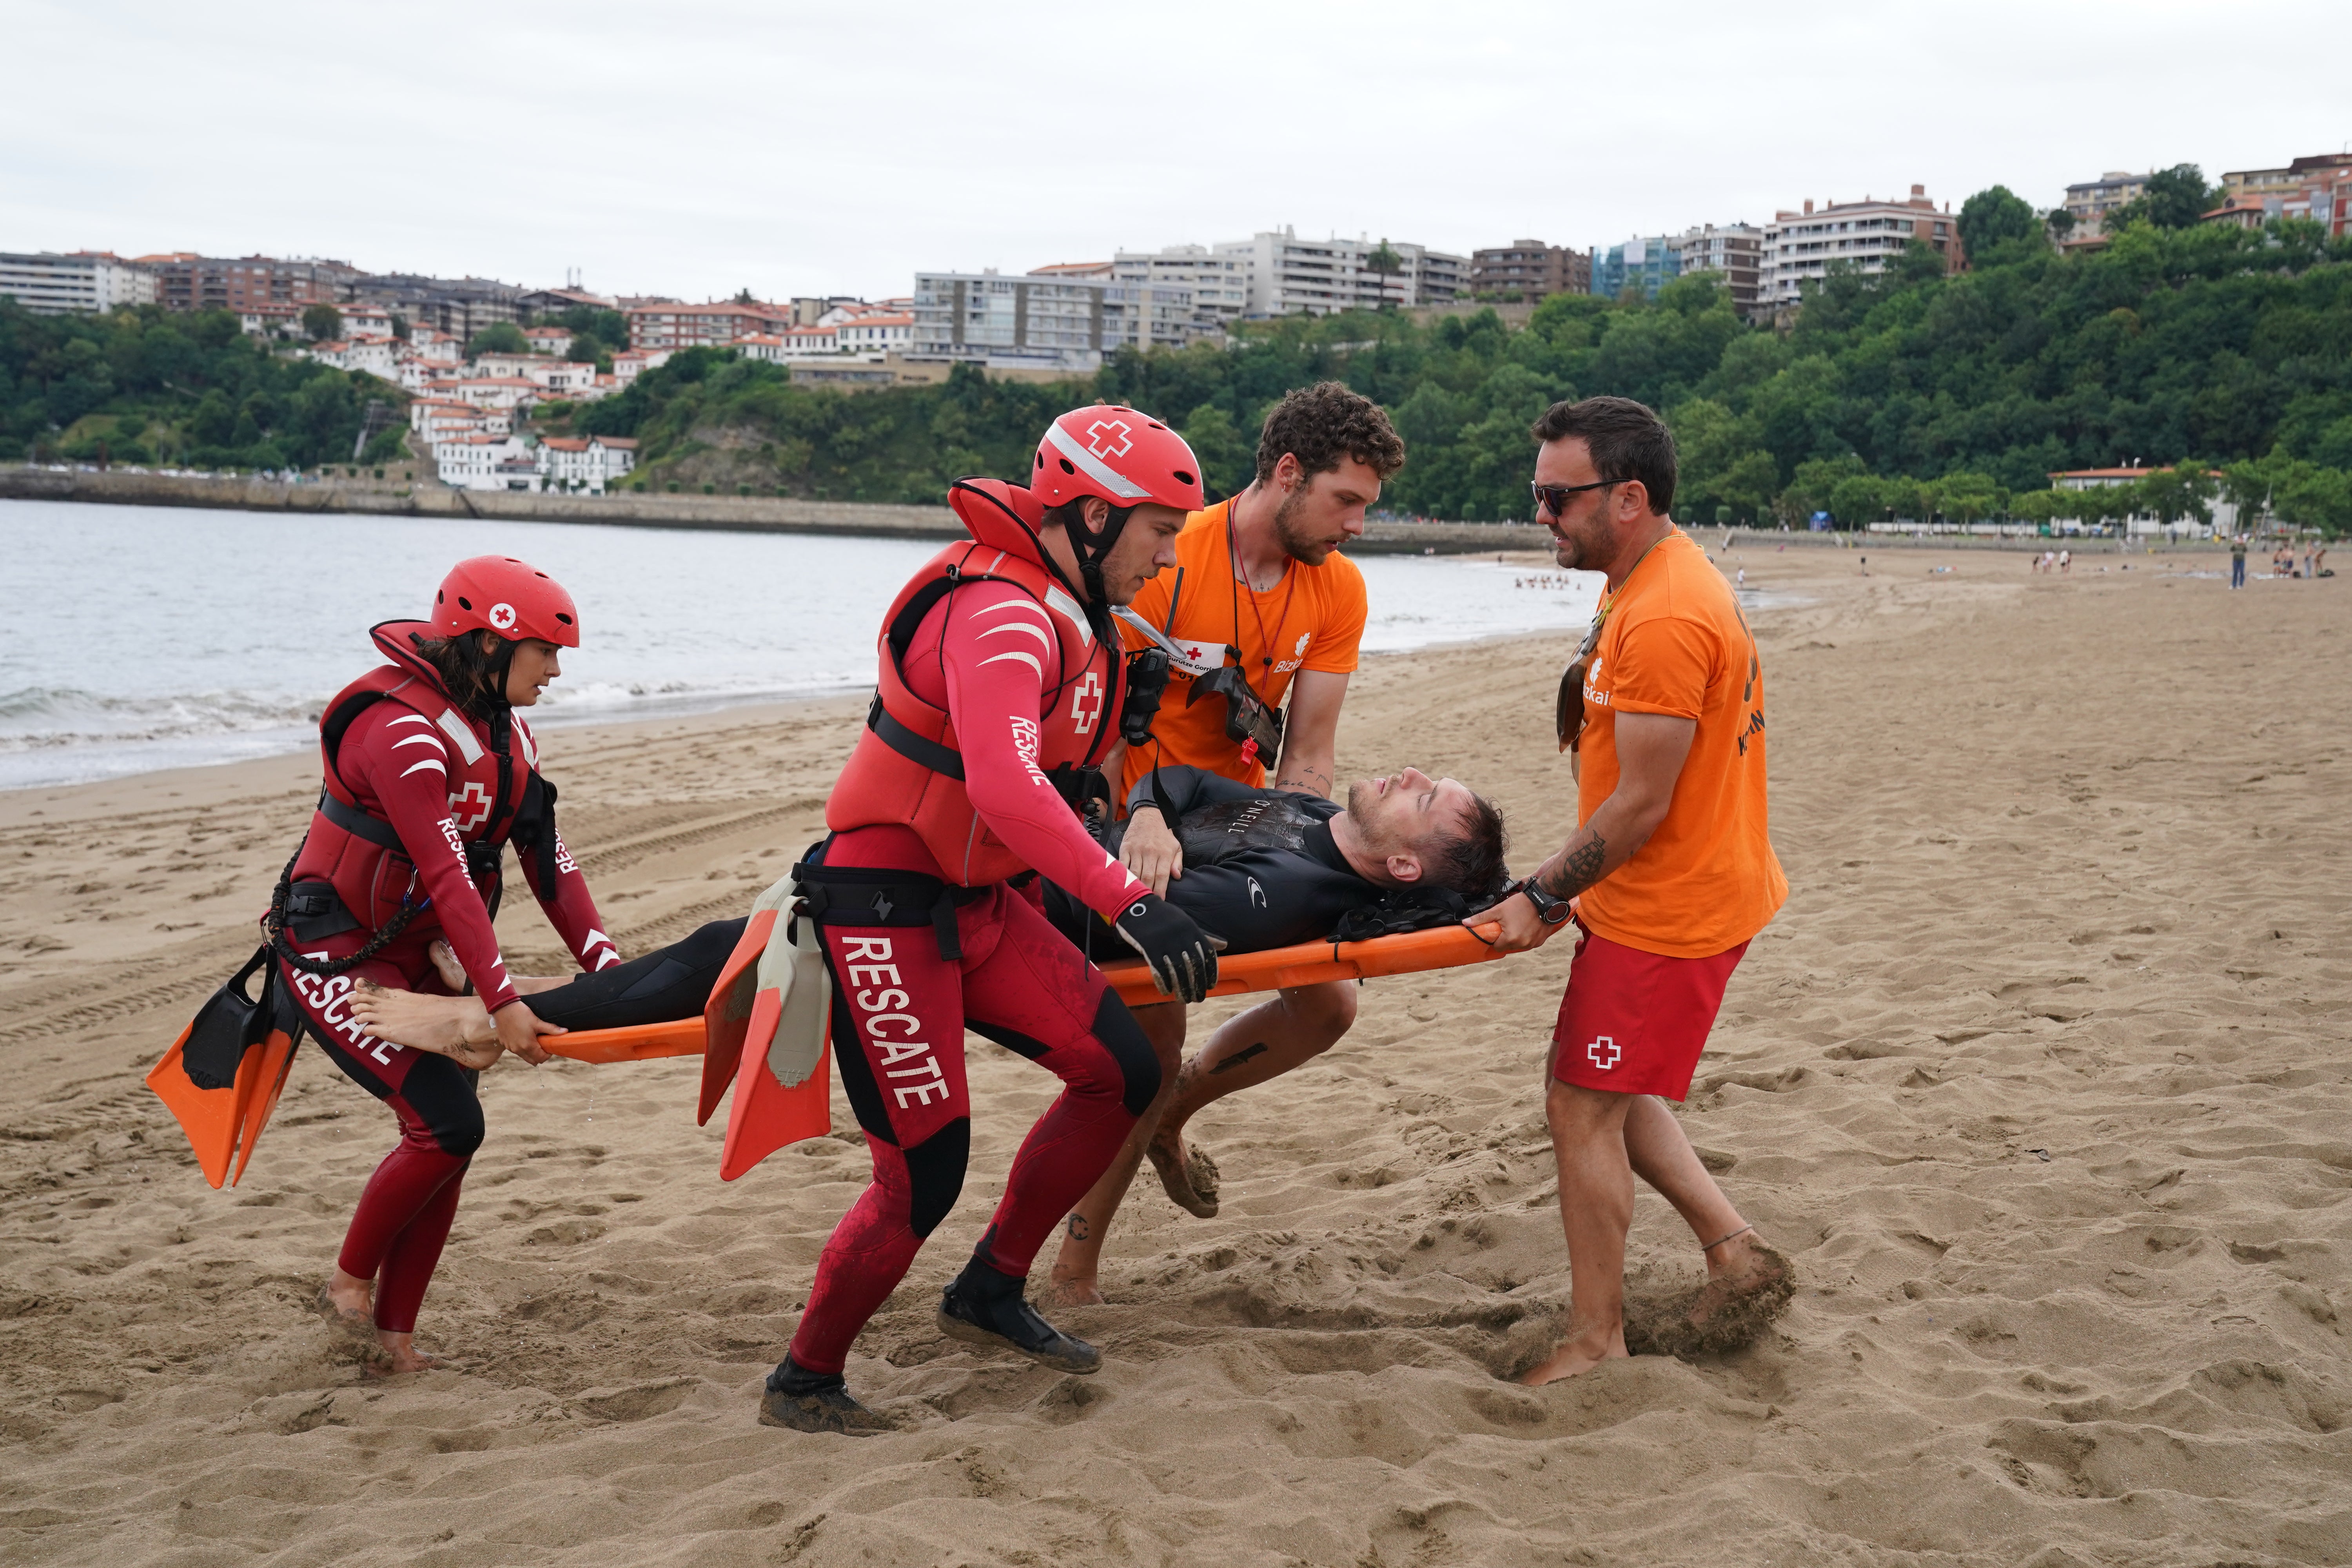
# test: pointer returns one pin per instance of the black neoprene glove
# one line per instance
(1183, 957)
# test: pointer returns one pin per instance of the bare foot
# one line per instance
(399, 1356)
(453, 974)
(1748, 1286)
(1580, 1352)
(348, 1304)
(1188, 1175)
(436, 1024)
(1070, 1290)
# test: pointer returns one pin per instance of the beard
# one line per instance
(1291, 533)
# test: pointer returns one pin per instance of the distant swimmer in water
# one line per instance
(430, 774)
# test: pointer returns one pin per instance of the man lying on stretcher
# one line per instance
(1260, 867)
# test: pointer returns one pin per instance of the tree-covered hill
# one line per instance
(147, 385)
(1903, 394)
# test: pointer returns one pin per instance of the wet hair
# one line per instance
(1627, 440)
(1469, 859)
(474, 680)
(1324, 424)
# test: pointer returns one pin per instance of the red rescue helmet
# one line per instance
(514, 598)
(1120, 453)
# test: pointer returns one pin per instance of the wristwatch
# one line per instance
(1548, 910)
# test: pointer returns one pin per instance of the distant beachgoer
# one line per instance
(1741, 577)
(2065, 561)
(1668, 875)
(2237, 560)
(2309, 571)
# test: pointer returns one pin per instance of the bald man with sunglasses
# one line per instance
(1668, 875)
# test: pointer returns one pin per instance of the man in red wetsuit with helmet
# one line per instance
(1001, 685)
(430, 774)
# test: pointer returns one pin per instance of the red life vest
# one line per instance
(906, 769)
(492, 795)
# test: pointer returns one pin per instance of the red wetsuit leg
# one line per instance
(404, 1213)
(897, 1034)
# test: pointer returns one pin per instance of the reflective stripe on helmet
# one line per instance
(1094, 467)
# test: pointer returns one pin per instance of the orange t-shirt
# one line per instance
(1312, 619)
(1675, 643)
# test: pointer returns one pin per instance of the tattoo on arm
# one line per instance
(1579, 870)
(1313, 781)
(1077, 1228)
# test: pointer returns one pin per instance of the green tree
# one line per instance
(1996, 216)
(2171, 198)
(320, 322)
(1384, 262)
(2061, 224)
(1226, 460)
(498, 338)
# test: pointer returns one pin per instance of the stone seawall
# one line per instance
(631, 508)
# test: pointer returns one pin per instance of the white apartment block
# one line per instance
(585, 463)
(48, 284)
(1046, 323)
(1218, 285)
(1288, 276)
(1735, 250)
(874, 333)
(508, 392)
(1801, 246)
(374, 356)
(488, 463)
(630, 363)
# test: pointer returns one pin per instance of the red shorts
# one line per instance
(1635, 1022)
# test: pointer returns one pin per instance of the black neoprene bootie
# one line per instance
(985, 1307)
(815, 1402)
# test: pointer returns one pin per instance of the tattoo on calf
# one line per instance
(1579, 870)
(1239, 1057)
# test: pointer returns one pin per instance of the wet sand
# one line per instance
(2040, 1079)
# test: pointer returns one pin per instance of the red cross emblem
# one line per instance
(1103, 432)
(1084, 717)
(1595, 1049)
(470, 807)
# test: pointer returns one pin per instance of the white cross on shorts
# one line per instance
(1594, 1052)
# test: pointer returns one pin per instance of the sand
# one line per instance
(2040, 1079)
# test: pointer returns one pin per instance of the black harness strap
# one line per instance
(362, 823)
(859, 895)
(913, 747)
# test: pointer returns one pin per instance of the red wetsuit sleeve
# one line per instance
(570, 908)
(410, 782)
(995, 649)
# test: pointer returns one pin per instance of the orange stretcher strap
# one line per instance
(1308, 964)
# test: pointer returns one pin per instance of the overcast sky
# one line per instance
(792, 147)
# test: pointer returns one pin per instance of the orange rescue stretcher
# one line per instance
(747, 1005)
(767, 1114)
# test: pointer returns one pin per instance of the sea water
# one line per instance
(142, 638)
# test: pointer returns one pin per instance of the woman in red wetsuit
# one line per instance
(429, 774)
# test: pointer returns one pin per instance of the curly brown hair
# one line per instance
(1322, 423)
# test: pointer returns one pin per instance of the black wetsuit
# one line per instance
(1260, 867)
(667, 984)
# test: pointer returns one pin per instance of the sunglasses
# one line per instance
(1554, 497)
(1567, 710)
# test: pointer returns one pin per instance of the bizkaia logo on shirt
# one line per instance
(1299, 654)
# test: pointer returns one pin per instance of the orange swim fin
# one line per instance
(783, 1089)
(727, 1016)
(222, 1077)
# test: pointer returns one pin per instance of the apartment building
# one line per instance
(2318, 187)
(1645, 264)
(1218, 285)
(2089, 201)
(1288, 276)
(459, 306)
(373, 356)
(48, 283)
(1529, 270)
(187, 281)
(489, 463)
(1801, 246)
(983, 318)
(630, 363)
(714, 325)
(1734, 250)
(872, 334)
(585, 463)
